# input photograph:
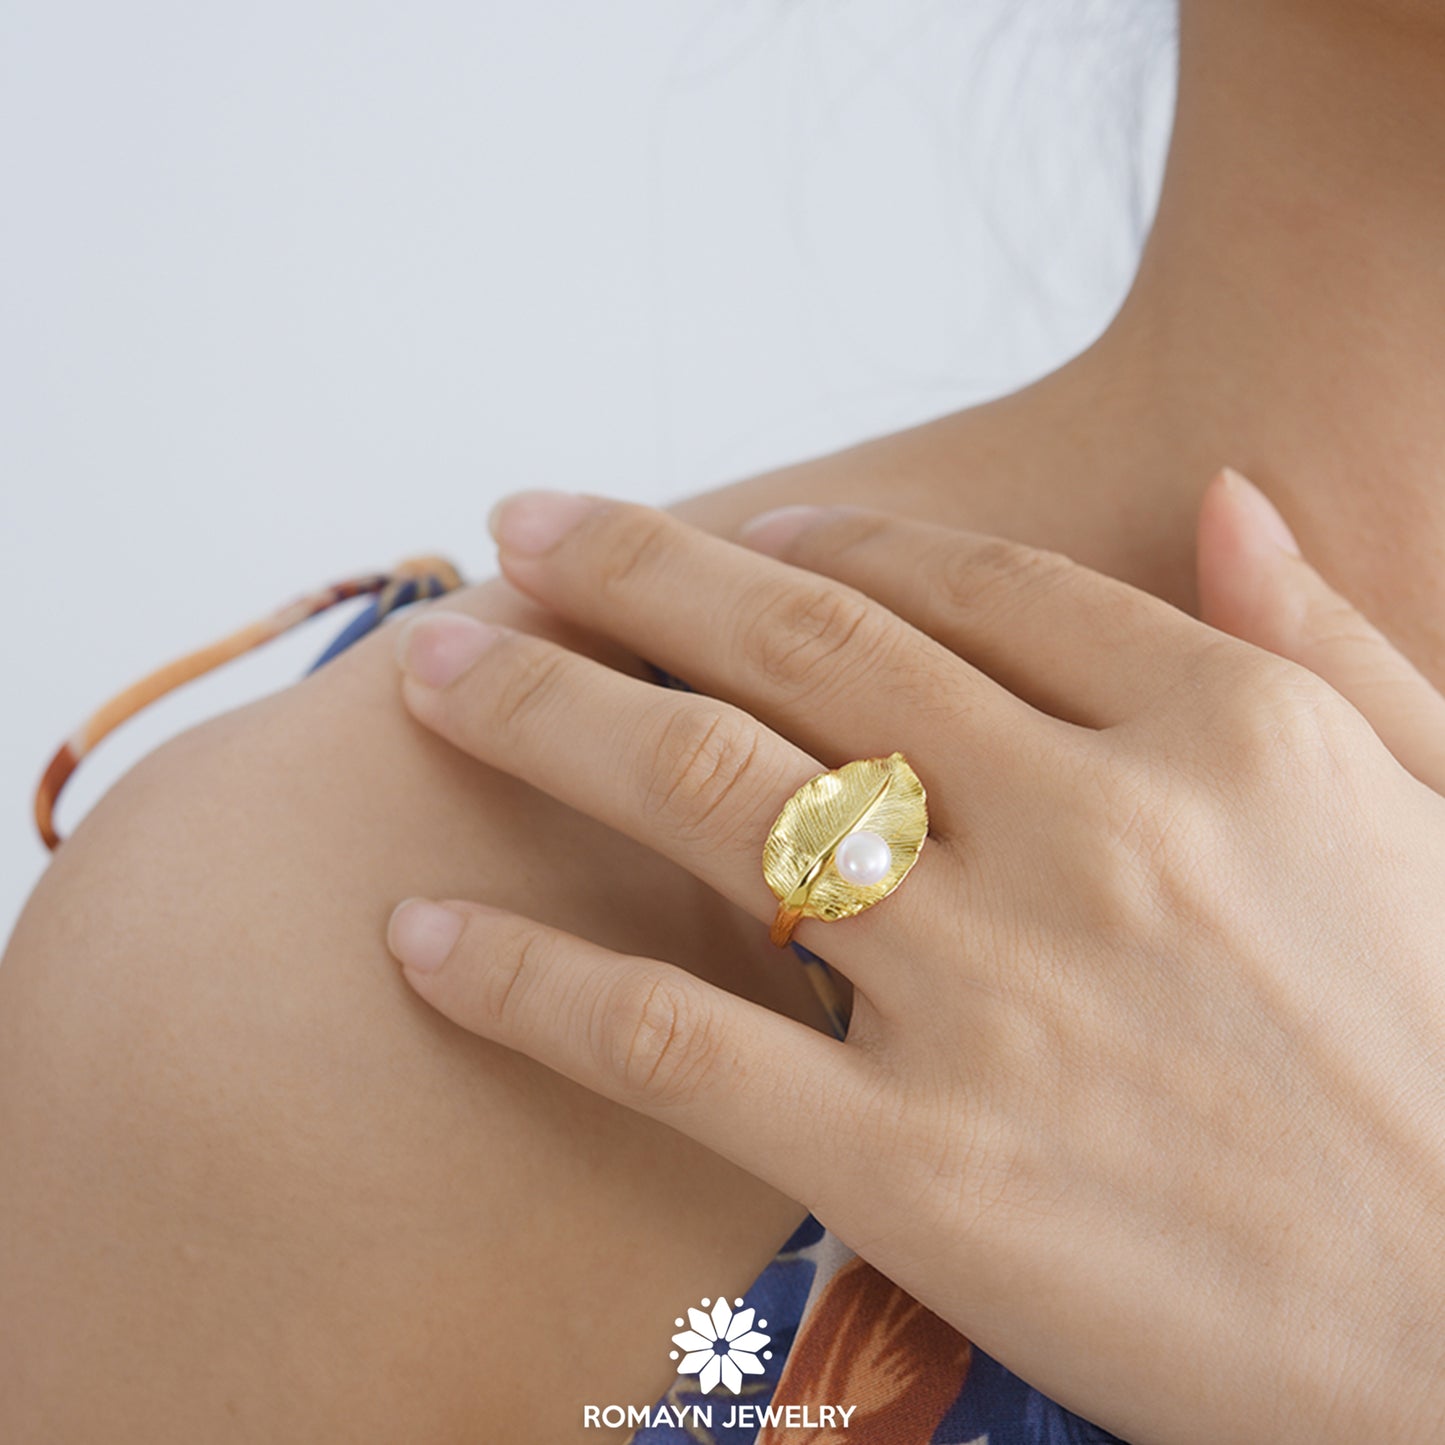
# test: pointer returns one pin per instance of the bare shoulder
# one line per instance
(253, 1187)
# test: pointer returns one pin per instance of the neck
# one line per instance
(1288, 317)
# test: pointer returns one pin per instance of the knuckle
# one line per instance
(510, 977)
(850, 533)
(997, 575)
(525, 686)
(704, 755)
(662, 1046)
(799, 632)
(1287, 724)
(630, 544)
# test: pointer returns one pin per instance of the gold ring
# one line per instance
(844, 841)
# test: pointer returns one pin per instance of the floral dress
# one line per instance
(840, 1331)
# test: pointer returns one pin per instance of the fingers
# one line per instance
(1254, 584)
(694, 778)
(765, 1091)
(819, 662)
(1078, 645)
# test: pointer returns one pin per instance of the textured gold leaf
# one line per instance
(879, 795)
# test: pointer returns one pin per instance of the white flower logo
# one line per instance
(721, 1347)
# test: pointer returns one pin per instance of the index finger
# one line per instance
(818, 660)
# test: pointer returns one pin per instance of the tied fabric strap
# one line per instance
(413, 580)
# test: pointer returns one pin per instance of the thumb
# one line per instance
(1254, 584)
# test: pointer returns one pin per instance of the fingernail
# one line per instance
(1266, 517)
(422, 934)
(438, 647)
(531, 523)
(772, 532)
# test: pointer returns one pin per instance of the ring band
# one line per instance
(844, 841)
(784, 922)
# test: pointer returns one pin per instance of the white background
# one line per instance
(292, 288)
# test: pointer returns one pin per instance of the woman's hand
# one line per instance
(1144, 1088)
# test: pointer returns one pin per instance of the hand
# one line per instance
(1142, 1089)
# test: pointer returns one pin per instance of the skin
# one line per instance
(256, 1189)
(1141, 1089)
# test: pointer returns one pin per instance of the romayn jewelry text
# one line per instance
(734, 1416)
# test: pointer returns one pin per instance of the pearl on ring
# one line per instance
(863, 858)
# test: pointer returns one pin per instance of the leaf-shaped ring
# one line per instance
(843, 841)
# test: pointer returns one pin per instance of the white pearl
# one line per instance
(863, 858)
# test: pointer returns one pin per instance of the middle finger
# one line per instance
(696, 779)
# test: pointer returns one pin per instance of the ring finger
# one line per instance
(695, 778)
